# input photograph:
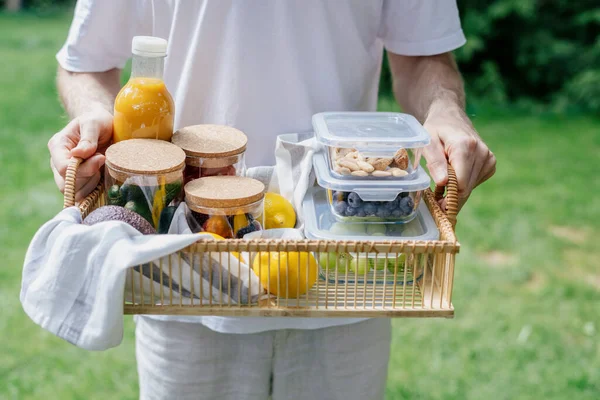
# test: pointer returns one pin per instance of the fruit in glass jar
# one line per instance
(166, 217)
(376, 229)
(380, 264)
(253, 226)
(114, 196)
(241, 221)
(328, 260)
(220, 225)
(225, 171)
(342, 229)
(354, 200)
(343, 264)
(333, 261)
(407, 205)
(360, 265)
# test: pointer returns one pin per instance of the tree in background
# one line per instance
(529, 51)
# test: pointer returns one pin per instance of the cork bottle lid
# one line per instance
(224, 191)
(145, 156)
(210, 141)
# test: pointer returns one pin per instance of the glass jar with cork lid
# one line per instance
(228, 206)
(145, 176)
(212, 150)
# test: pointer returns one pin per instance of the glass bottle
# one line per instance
(144, 107)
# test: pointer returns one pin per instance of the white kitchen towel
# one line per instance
(292, 174)
(74, 276)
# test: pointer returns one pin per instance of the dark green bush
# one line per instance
(528, 51)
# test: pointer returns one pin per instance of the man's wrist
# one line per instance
(448, 105)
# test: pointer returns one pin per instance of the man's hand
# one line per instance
(431, 89)
(87, 136)
(455, 141)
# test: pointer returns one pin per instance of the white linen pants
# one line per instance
(189, 361)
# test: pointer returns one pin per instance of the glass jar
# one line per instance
(371, 145)
(372, 201)
(228, 206)
(144, 107)
(212, 150)
(145, 176)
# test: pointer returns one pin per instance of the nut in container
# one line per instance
(371, 145)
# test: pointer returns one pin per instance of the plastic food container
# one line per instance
(365, 200)
(145, 176)
(228, 206)
(371, 145)
(212, 150)
(321, 224)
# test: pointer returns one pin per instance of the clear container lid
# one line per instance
(368, 189)
(320, 223)
(369, 131)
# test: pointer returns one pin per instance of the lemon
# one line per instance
(219, 237)
(278, 212)
(293, 269)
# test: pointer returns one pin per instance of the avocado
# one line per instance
(166, 216)
(116, 213)
(141, 208)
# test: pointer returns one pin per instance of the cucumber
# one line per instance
(141, 208)
(133, 193)
(166, 216)
(114, 196)
(172, 191)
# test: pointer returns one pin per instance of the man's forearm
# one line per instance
(84, 92)
(427, 84)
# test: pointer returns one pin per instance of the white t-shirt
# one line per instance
(264, 67)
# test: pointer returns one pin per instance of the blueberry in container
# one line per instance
(374, 201)
(371, 145)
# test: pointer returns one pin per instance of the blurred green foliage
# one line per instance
(530, 51)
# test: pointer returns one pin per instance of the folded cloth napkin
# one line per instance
(74, 276)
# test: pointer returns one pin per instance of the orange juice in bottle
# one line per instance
(144, 107)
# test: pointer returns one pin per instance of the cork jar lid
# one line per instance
(210, 141)
(145, 156)
(224, 191)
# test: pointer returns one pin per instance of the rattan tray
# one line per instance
(395, 294)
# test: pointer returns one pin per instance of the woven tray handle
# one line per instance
(70, 177)
(451, 191)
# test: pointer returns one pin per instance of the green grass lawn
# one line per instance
(527, 291)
